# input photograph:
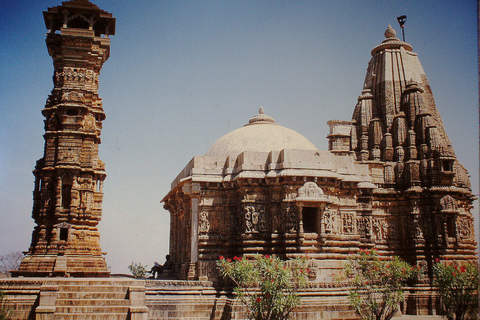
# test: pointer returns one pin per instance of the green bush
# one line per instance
(458, 289)
(266, 285)
(376, 283)
(137, 270)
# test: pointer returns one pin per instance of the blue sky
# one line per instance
(181, 74)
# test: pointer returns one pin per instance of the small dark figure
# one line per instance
(159, 269)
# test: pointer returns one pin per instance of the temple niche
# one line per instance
(390, 180)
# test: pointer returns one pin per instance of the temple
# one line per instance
(390, 180)
(69, 178)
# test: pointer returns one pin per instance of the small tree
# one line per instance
(458, 289)
(376, 283)
(266, 285)
(137, 270)
(10, 261)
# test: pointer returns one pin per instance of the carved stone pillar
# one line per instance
(192, 272)
(300, 223)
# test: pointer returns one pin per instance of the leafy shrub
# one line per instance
(137, 270)
(458, 289)
(376, 283)
(266, 285)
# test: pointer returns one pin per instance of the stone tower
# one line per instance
(396, 129)
(69, 178)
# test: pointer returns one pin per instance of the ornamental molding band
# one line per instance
(69, 178)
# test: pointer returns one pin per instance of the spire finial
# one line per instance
(261, 117)
(390, 33)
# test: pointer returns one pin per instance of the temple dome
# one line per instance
(260, 134)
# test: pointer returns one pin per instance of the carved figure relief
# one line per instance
(348, 223)
(448, 204)
(262, 221)
(52, 123)
(312, 267)
(392, 228)
(331, 221)
(465, 228)
(291, 219)
(251, 219)
(379, 229)
(361, 226)
(204, 225)
(418, 228)
(89, 124)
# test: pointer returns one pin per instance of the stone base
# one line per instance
(62, 266)
(126, 298)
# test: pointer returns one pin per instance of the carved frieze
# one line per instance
(83, 75)
(73, 96)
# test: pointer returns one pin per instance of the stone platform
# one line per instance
(127, 298)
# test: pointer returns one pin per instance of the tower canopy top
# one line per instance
(79, 14)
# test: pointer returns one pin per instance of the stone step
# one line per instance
(91, 282)
(91, 288)
(92, 302)
(92, 309)
(91, 295)
(91, 316)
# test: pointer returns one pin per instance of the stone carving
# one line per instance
(89, 123)
(310, 191)
(332, 221)
(448, 204)
(73, 96)
(348, 222)
(379, 229)
(392, 227)
(251, 219)
(364, 227)
(465, 228)
(291, 219)
(418, 228)
(312, 267)
(204, 225)
(76, 75)
(52, 123)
